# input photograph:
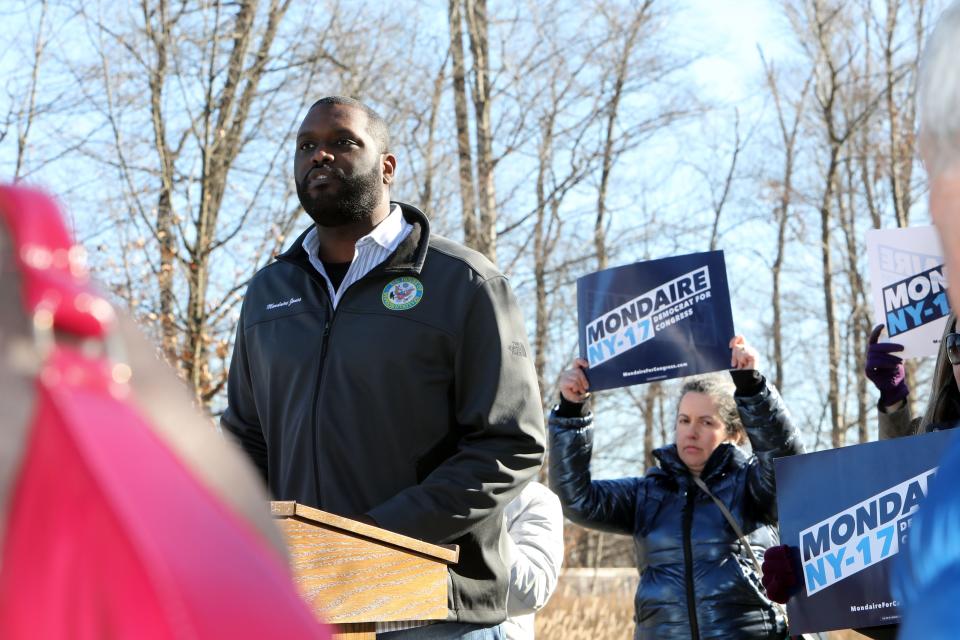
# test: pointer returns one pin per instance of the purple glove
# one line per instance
(885, 370)
(779, 578)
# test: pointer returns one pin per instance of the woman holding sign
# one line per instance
(697, 579)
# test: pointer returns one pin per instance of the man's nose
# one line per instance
(322, 155)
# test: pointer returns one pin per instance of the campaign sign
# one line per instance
(848, 512)
(655, 320)
(909, 287)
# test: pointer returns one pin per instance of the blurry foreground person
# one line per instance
(697, 580)
(122, 513)
(926, 579)
(938, 95)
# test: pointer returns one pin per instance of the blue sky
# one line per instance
(732, 30)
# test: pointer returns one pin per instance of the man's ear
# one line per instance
(389, 165)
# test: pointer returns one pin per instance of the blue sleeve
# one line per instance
(771, 433)
(926, 575)
(608, 505)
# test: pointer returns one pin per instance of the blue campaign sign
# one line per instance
(848, 512)
(915, 301)
(655, 320)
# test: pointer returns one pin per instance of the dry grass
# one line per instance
(587, 606)
(601, 608)
(585, 618)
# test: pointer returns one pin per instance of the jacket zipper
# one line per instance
(315, 431)
(688, 562)
(325, 339)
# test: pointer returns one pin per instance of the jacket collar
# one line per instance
(412, 252)
(408, 257)
(723, 457)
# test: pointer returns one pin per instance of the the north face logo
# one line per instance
(517, 349)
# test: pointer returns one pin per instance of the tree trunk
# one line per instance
(777, 326)
(860, 312)
(838, 427)
(25, 122)
(222, 142)
(898, 188)
(426, 187)
(159, 36)
(539, 262)
(476, 13)
(464, 153)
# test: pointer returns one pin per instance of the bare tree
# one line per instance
(899, 88)
(212, 82)
(721, 190)
(477, 29)
(480, 202)
(464, 148)
(28, 109)
(824, 32)
(788, 126)
(626, 40)
(562, 120)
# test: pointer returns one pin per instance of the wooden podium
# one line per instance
(355, 575)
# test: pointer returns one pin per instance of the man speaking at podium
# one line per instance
(382, 373)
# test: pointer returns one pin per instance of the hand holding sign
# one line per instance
(573, 382)
(743, 356)
(885, 370)
(779, 577)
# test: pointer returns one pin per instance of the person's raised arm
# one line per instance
(767, 423)
(603, 504)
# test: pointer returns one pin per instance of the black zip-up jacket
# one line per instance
(425, 418)
(696, 581)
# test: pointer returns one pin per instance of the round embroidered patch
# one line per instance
(402, 294)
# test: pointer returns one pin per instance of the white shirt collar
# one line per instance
(388, 234)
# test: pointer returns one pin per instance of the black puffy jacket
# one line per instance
(696, 581)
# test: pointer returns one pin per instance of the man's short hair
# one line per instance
(376, 125)
(938, 93)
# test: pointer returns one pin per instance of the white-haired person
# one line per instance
(926, 579)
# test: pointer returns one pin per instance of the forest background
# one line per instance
(558, 138)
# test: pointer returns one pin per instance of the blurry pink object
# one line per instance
(108, 534)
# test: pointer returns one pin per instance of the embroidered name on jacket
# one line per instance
(283, 303)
